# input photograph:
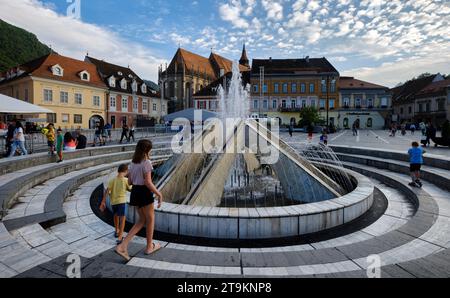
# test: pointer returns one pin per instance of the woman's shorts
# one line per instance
(141, 196)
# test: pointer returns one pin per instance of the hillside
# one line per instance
(18, 46)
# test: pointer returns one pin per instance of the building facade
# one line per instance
(71, 88)
(404, 98)
(129, 100)
(432, 103)
(188, 73)
(366, 102)
(280, 88)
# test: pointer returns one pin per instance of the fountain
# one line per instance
(246, 193)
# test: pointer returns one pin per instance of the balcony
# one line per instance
(289, 110)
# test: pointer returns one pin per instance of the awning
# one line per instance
(189, 114)
(9, 105)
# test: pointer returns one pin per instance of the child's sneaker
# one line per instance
(413, 184)
(419, 183)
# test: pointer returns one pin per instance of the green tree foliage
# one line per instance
(309, 116)
(18, 46)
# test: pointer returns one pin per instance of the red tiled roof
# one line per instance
(352, 83)
(435, 88)
(72, 69)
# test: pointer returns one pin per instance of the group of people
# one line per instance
(102, 134)
(58, 142)
(127, 133)
(136, 178)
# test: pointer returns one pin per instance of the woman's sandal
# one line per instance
(156, 247)
(123, 255)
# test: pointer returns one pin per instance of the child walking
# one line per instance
(59, 145)
(117, 189)
(49, 132)
(416, 159)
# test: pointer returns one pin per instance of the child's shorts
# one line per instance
(51, 143)
(415, 168)
(119, 210)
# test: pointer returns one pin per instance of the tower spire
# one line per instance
(244, 59)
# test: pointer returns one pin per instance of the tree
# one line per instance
(309, 116)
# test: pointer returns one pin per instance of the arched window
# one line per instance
(369, 123)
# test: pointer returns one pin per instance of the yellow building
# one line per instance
(282, 87)
(71, 88)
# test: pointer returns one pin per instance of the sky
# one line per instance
(384, 42)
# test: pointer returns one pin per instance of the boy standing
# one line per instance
(59, 145)
(117, 189)
(416, 159)
(49, 132)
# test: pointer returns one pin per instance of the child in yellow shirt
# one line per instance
(117, 189)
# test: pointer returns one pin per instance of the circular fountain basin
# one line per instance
(264, 223)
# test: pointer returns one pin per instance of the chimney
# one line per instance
(307, 59)
(270, 59)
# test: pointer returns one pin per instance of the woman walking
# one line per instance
(18, 141)
(142, 197)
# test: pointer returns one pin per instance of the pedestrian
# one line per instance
(291, 129)
(18, 140)
(142, 197)
(413, 129)
(431, 133)
(98, 135)
(117, 189)
(59, 144)
(69, 142)
(108, 128)
(104, 132)
(131, 134)
(355, 129)
(393, 130)
(310, 130)
(403, 128)
(125, 130)
(416, 161)
(49, 132)
(10, 137)
(324, 137)
(81, 140)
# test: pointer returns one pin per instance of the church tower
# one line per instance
(244, 59)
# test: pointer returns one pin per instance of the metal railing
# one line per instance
(37, 142)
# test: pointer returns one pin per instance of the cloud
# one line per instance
(231, 12)
(73, 38)
(274, 9)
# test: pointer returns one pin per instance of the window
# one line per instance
(64, 97)
(284, 104)
(78, 119)
(135, 104)
(123, 84)
(285, 88)
(96, 101)
(85, 76)
(65, 118)
(112, 103)
(112, 82)
(332, 105)
(303, 88)
(144, 105)
(333, 86)
(265, 104)
(384, 102)
(428, 106)
(51, 118)
(57, 70)
(312, 88)
(78, 99)
(276, 88)
(358, 103)
(155, 107)
(26, 95)
(410, 110)
(134, 86)
(255, 89)
(265, 88)
(274, 104)
(370, 103)
(304, 103)
(124, 104)
(144, 88)
(313, 103)
(48, 95)
(294, 88)
(293, 104)
(255, 104)
(346, 102)
(441, 105)
(324, 85)
(323, 104)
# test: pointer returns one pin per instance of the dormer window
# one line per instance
(134, 86)
(130, 76)
(85, 76)
(120, 73)
(144, 88)
(57, 70)
(112, 82)
(123, 84)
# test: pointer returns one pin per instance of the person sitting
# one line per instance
(69, 142)
(81, 140)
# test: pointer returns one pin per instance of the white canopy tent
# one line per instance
(9, 105)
